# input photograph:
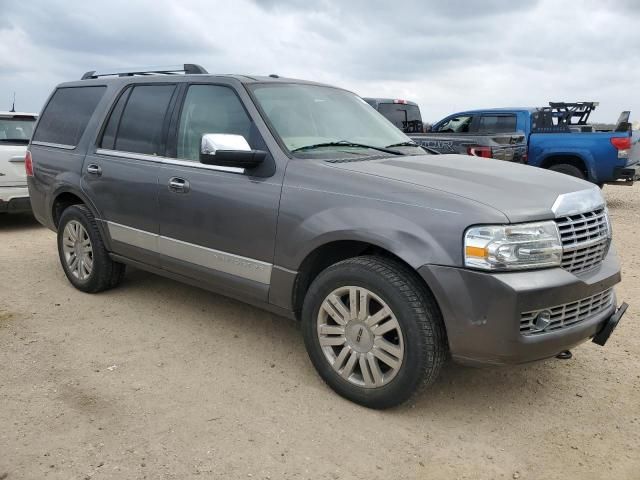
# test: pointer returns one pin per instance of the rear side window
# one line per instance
(67, 114)
(140, 128)
(497, 124)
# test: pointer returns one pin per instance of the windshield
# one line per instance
(314, 116)
(16, 130)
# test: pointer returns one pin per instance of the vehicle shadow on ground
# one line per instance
(458, 387)
(18, 222)
(623, 200)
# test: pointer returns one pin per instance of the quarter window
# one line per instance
(110, 132)
(66, 115)
(142, 123)
(209, 109)
(497, 124)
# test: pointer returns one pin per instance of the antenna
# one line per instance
(13, 107)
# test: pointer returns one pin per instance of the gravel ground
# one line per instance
(160, 380)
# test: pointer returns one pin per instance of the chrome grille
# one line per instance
(585, 239)
(562, 316)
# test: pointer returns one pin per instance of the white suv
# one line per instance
(15, 132)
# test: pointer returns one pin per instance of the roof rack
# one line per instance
(187, 69)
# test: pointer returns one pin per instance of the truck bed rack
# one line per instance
(186, 69)
(560, 117)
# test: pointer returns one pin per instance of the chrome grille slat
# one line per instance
(567, 314)
(585, 239)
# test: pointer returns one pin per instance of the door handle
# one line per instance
(94, 169)
(178, 185)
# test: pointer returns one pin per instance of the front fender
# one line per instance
(397, 233)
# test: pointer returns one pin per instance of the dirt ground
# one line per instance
(160, 380)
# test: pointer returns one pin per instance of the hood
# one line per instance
(522, 193)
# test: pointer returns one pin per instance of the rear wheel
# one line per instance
(568, 169)
(84, 259)
(373, 331)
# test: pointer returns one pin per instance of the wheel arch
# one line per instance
(332, 252)
(66, 196)
(573, 159)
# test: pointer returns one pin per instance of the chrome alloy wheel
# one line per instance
(78, 253)
(360, 336)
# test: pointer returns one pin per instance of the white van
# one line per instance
(15, 132)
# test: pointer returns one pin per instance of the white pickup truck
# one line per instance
(15, 132)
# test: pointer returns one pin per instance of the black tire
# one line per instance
(423, 332)
(568, 170)
(105, 273)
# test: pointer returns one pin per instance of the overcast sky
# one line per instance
(446, 55)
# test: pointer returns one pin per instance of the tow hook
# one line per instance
(609, 326)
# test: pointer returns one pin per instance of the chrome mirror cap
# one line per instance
(212, 142)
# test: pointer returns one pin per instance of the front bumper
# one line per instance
(14, 200)
(482, 311)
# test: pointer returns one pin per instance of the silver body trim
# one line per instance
(244, 267)
(54, 145)
(168, 161)
(133, 236)
(137, 156)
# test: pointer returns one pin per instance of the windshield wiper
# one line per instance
(14, 140)
(345, 143)
(402, 144)
(413, 144)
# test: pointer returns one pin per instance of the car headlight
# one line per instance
(513, 247)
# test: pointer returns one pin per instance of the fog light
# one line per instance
(543, 319)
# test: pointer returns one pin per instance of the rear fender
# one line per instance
(62, 187)
(583, 155)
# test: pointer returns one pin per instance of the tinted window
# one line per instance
(110, 132)
(67, 114)
(457, 124)
(16, 129)
(497, 124)
(406, 117)
(209, 109)
(142, 121)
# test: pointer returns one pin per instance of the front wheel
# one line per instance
(373, 331)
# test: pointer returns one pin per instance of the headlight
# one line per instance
(513, 247)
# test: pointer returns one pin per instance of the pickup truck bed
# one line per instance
(543, 137)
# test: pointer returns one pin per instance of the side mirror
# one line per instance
(228, 150)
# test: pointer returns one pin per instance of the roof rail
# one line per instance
(187, 69)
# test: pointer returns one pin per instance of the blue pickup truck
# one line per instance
(557, 137)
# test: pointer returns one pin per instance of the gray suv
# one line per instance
(301, 199)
